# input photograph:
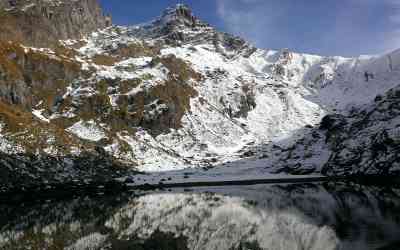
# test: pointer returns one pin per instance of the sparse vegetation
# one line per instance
(105, 60)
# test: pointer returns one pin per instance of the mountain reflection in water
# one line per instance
(298, 216)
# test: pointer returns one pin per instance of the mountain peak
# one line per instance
(180, 14)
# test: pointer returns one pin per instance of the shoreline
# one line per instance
(68, 190)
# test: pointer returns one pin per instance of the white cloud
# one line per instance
(349, 30)
(253, 19)
(393, 37)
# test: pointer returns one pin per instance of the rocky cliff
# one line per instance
(42, 23)
(364, 141)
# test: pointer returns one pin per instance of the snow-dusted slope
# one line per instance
(365, 141)
(257, 97)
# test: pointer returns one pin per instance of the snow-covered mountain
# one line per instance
(176, 93)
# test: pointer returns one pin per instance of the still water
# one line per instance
(292, 216)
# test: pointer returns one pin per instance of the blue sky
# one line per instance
(327, 27)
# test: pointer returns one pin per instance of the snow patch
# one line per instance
(39, 114)
(87, 130)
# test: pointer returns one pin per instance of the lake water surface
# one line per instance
(288, 216)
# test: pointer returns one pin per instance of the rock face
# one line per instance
(178, 26)
(370, 143)
(28, 75)
(363, 142)
(41, 23)
(22, 171)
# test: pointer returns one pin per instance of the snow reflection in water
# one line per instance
(306, 216)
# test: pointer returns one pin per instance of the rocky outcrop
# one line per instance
(28, 76)
(178, 26)
(41, 23)
(180, 15)
(364, 142)
(20, 171)
(370, 143)
(161, 108)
